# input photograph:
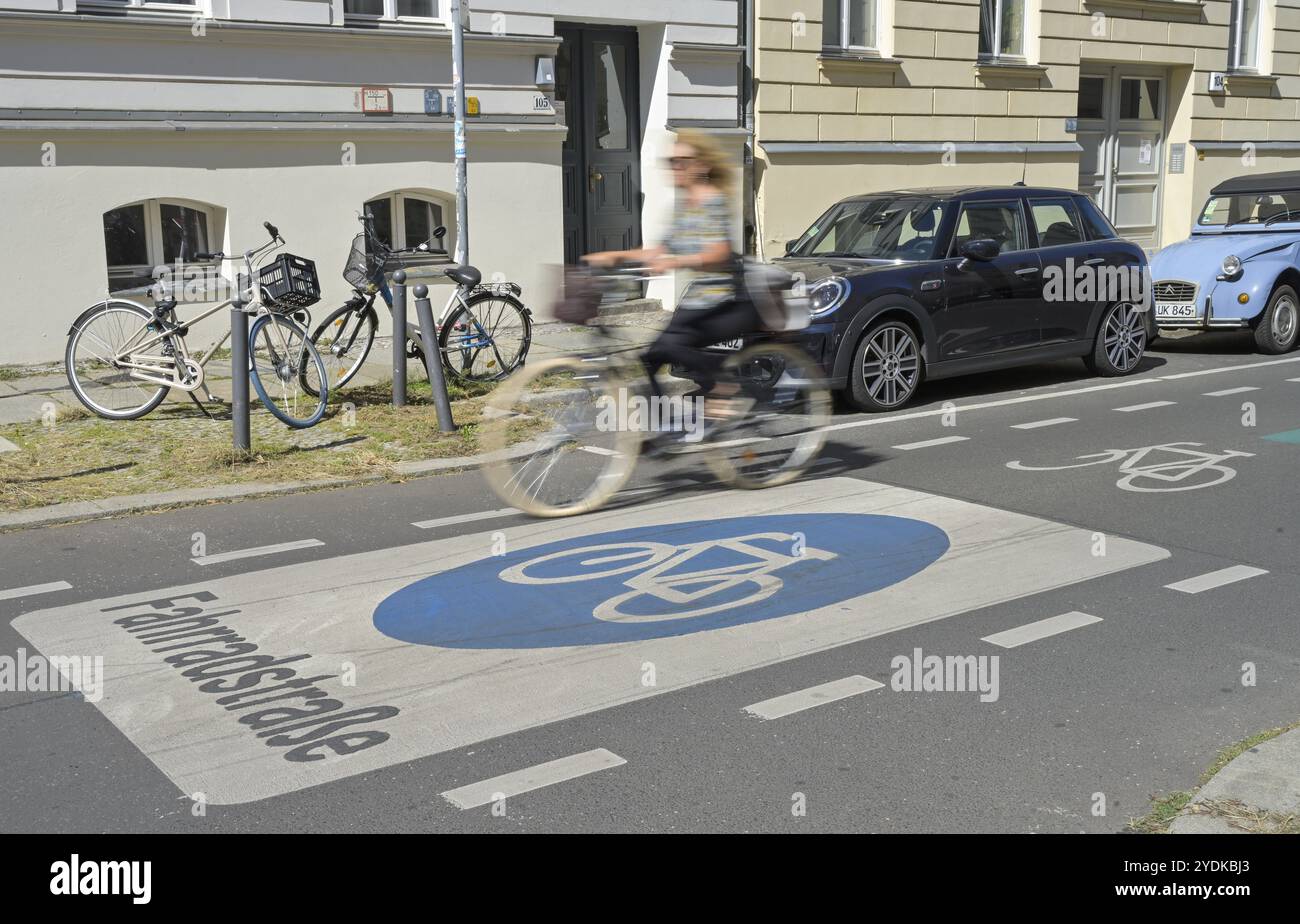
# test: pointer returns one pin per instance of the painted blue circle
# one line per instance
(660, 581)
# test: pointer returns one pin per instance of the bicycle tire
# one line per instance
(816, 407)
(500, 366)
(363, 338)
(76, 332)
(504, 473)
(310, 355)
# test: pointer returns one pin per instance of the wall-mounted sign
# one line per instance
(376, 100)
(432, 102)
(1215, 83)
(471, 105)
(542, 103)
(1071, 125)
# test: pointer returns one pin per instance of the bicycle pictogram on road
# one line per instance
(1180, 466)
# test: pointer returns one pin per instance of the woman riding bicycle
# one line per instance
(699, 241)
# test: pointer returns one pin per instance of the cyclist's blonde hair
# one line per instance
(721, 172)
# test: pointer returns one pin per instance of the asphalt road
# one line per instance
(1105, 711)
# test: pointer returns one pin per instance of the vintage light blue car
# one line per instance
(1241, 266)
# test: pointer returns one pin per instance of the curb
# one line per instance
(1262, 779)
(81, 511)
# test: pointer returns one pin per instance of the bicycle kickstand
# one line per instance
(200, 405)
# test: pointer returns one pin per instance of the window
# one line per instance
(1056, 222)
(849, 24)
(407, 220)
(1244, 34)
(1002, 29)
(1099, 228)
(143, 235)
(1139, 98)
(391, 9)
(1092, 98)
(1001, 222)
(902, 228)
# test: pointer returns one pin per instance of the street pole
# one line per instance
(459, 14)
(433, 359)
(399, 338)
(239, 374)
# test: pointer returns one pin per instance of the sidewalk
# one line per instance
(1257, 792)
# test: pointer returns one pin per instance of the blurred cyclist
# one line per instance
(699, 241)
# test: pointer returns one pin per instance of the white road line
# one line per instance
(1052, 422)
(466, 518)
(1044, 628)
(1230, 391)
(1215, 579)
(1293, 380)
(254, 553)
(1232, 368)
(14, 593)
(6, 446)
(926, 444)
(1144, 407)
(530, 778)
(820, 695)
(600, 451)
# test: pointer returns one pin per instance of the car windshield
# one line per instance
(884, 228)
(1246, 209)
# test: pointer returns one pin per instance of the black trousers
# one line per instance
(692, 328)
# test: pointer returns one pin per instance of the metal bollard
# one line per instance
(399, 338)
(433, 359)
(239, 374)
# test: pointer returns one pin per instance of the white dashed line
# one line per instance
(820, 695)
(1293, 380)
(526, 780)
(14, 593)
(1144, 407)
(1215, 579)
(600, 451)
(1230, 391)
(254, 553)
(466, 518)
(1044, 628)
(1052, 422)
(926, 444)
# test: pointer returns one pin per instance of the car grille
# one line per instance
(1174, 290)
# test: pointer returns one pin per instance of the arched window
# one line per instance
(406, 219)
(143, 235)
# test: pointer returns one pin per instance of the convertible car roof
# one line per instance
(1258, 183)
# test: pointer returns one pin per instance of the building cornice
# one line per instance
(920, 147)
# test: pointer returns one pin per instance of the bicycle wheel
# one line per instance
(487, 339)
(556, 444)
(92, 360)
(281, 360)
(344, 340)
(784, 430)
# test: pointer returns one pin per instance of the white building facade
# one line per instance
(123, 120)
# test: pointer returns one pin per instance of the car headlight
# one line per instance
(827, 295)
(1231, 265)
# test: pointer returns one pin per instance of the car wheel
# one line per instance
(1121, 341)
(887, 367)
(1276, 330)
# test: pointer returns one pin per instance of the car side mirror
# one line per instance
(982, 250)
(789, 246)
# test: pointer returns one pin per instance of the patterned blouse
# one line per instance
(694, 228)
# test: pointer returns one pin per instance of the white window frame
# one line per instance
(153, 232)
(390, 14)
(200, 7)
(397, 208)
(845, 16)
(996, 54)
(1235, 64)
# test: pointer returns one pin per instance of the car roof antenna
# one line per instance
(1024, 166)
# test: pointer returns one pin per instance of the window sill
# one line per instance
(833, 59)
(1184, 7)
(1002, 67)
(1248, 80)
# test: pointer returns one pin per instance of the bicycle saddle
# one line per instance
(465, 275)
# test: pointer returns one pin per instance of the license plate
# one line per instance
(1176, 312)
(728, 345)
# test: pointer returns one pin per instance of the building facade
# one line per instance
(1144, 104)
(124, 121)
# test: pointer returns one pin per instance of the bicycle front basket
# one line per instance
(360, 268)
(289, 282)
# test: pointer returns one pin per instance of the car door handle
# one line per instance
(1026, 271)
(1094, 261)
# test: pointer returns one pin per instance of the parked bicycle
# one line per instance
(566, 433)
(123, 358)
(484, 332)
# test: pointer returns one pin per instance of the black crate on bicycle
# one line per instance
(289, 282)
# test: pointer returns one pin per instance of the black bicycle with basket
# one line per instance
(484, 331)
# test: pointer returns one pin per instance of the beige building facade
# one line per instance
(1144, 104)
